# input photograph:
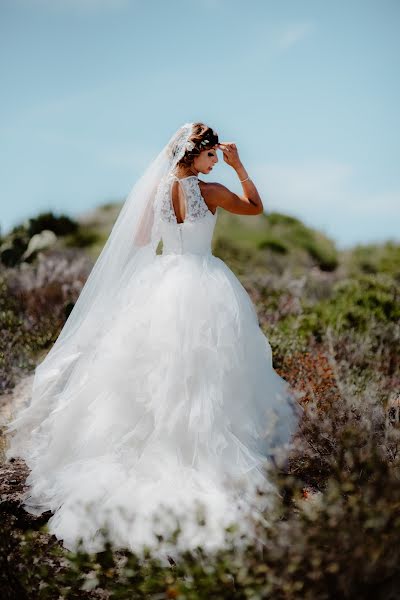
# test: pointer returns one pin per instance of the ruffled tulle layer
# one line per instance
(177, 404)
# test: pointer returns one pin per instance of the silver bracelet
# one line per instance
(242, 180)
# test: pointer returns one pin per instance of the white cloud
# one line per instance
(293, 34)
(324, 194)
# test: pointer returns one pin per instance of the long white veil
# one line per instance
(131, 245)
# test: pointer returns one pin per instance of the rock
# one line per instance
(40, 241)
(12, 488)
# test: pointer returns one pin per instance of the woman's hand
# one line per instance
(230, 154)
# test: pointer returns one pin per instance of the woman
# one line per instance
(159, 394)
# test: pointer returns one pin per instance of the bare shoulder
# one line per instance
(216, 194)
(209, 191)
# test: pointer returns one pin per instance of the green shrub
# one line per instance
(82, 238)
(235, 255)
(292, 235)
(275, 218)
(14, 244)
(318, 247)
(277, 234)
(275, 245)
(355, 304)
(12, 249)
(375, 258)
(331, 533)
(34, 304)
(60, 225)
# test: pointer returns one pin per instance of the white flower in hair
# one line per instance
(189, 146)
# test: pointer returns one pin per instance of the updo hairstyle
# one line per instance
(202, 138)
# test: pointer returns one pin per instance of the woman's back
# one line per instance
(194, 234)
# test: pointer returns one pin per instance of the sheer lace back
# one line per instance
(195, 232)
(196, 208)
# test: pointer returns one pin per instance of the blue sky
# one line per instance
(308, 90)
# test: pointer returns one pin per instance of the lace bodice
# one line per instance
(194, 234)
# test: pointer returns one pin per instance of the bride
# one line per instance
(159, 397)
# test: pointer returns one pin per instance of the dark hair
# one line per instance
(203, 138)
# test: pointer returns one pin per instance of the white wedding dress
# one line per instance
(179, 404)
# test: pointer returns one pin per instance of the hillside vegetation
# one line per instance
(333, 320)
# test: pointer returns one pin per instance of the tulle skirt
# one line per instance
(174, 415)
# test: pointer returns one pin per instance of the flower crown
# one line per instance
(189, 146)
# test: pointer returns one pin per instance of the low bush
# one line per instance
(14, 244)
(61, 225)
(375, 258)
(83, 238)
(35, 301)
(332, 533)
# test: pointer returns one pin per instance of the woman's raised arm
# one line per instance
(250, 202)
